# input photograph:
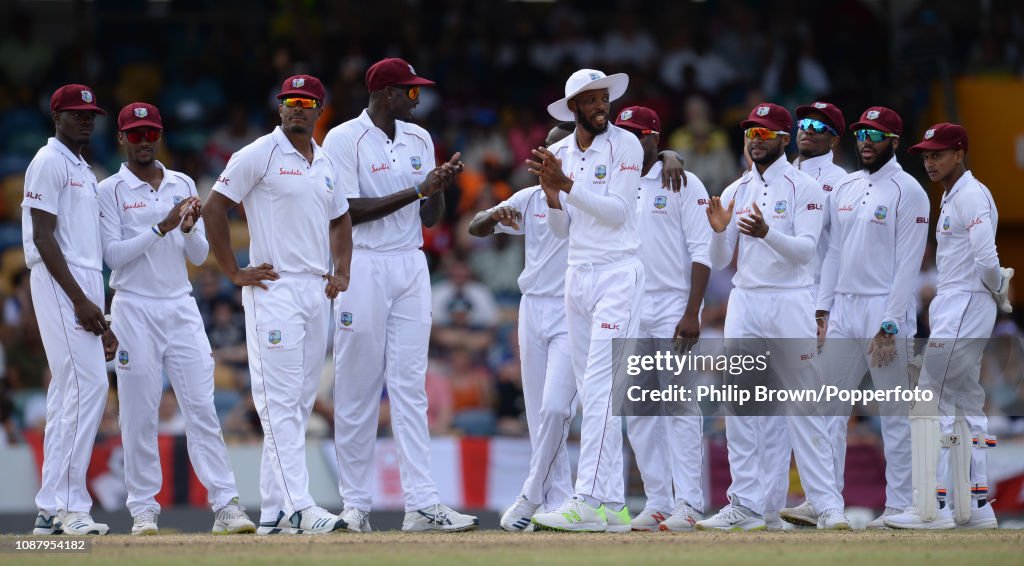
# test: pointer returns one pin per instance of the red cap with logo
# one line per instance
(639, 118)
(74, 97)
(771, 116)
(879, 118)
(833, 115)
(302, 86)
(393, 72)
(942, 136)
(139, 115)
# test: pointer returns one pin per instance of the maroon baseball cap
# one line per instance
(771, 116)
(639, 118)
(393, 72)
(302, 86)
(942, 136)
(832, 113)
(879, 118)
(139, 115)
(74, 97)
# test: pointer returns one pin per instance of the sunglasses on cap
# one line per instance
(306, 103)
(873, 135)
(136, 136)
(413, 92)
(763, 133)
(815, 126)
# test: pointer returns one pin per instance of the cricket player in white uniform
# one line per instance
(770, 301)
(879, 218)
(385, 166)
(598, 169)
(297, 216)
(674, 240)
(971, 287)
(61, 235)
(142, 207)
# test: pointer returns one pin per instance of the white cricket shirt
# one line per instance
(790, 202)
(62, 183)
(289, 203)
(547, 255)
(674, 231)
(144, 263)
(369, 164)
(879, 229)
(599, 214)
(827, 174)
(966, 255)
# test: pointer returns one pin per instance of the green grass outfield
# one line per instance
(873, 548)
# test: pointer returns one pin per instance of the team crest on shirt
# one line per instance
(87, 97)
(329, 183)
(122, 357)
(416, 162)
(780, 207)
(274, 337)
(945, 223)
(600, 172)
(346, 322)
(660, 202)
(881, 212)
(178, 199)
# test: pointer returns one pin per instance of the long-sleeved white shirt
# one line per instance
(599, 213)
(143, 262)
(790, 202)
(546, 254)
(824, 170)
(966, 256)
(879, 229)
(674, 231)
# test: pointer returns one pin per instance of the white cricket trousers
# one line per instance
(669, 449)
(168, 335)
(77, 392)
(853, 322)
(382, 333)
(961, 324)
(549, 390)
(784, 321)
(602, 303)
(286, 338)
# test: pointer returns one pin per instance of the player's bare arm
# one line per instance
(484, 222)
(44, 225)
(341, 246)
(365, 209)
(215, 214)
(548, 170)
(753, 225)
(718, 215)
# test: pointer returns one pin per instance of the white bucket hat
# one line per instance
(587, 79)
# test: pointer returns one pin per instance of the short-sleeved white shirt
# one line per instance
(674, 231)
(369, 164)
(129, 207)
(289, 203)
(547, 255)
(62, 183)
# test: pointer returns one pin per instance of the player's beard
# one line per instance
(585, 123)
(881, 158)
(770, 156)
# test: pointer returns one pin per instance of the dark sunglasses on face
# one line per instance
(413, 92)
(306, 103)
(136, 136)
(815, 126)
(874, 135)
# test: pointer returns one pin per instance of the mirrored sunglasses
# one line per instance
(763, 133)
(815, 126)
(874, 135)
(306, 103)
(136, 136)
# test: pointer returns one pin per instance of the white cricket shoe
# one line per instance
(879, 522)
(911, 519)
(145, 523)
(45, 524)
(517, 518)
(803, 515)
(231, 519)
(438, 518)
(649, 520)
(79, 524)
(357, 521)
(833, 520)
(773, 523)
(683, 518)
(574, 515)
(983, 517)
(618, 521)
(732, 518)
(315, 520)
(280, 526)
